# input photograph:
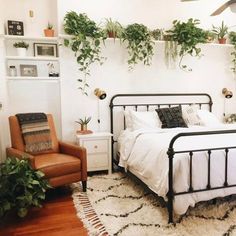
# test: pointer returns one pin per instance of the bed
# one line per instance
(183, 165)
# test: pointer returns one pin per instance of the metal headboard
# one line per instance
(136, 101)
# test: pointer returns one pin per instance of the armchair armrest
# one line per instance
(76, 151)
(12, 152)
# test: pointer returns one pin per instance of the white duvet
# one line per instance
(144, 153)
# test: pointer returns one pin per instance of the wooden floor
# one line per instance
(56, 218)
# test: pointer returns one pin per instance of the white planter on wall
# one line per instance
(21, 52)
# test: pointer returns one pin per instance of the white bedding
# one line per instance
(144, 153)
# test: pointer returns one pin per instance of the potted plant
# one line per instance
(85, 43)
(232, 38)
(49, 31)
(21, 48)
(221, 32)
(84, 125)
(157, 34)
(21, 187)
(113, 28)
(188, 36)
(210, 36)
(140, 45)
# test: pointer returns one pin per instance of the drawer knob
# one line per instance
(96, 146)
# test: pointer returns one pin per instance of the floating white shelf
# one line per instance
(20, 78)
(33, 38)
(32, 58)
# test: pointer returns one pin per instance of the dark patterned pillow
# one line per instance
(171, 117)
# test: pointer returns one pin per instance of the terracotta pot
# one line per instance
(222, 41)
(111, 34)
(49, 33)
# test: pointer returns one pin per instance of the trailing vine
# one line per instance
(85, 43)
(140, 45)
(188, 36)
(232, 38)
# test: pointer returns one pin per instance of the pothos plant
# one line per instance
(85, 43)
(188, 36)
(232, 38)
(140, 45)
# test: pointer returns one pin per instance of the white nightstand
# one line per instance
(98, 147)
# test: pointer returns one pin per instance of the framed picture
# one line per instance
(15, 27)
(45, 50)
(28, 70)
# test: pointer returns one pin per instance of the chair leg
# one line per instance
(84, 184)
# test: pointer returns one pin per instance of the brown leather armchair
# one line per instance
(64, 164)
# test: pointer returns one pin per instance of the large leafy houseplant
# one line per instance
(85, 43)
(20, 187)
(188, 36)
(140, 45)
(232, 38)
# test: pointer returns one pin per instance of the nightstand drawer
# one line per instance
(97, 160)
(95, 146)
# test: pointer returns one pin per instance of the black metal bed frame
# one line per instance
(171, 152)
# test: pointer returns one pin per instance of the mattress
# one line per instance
(144, 153)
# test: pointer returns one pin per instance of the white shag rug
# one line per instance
(118, 205)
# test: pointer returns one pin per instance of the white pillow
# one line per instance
(191, 116)
(208, 118)
(144, 120)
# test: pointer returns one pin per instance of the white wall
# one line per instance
(210, 73)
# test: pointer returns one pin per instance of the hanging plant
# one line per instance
(140, 45)
(232, 38)
(85, 43)
(188, 36)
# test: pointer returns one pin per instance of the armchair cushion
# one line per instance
(57, 164)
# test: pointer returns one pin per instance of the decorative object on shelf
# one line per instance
(113, 29)
(21, 187)
(45, 50)
(12, 71)
(232, 38)
(85, 43)
(15, 27)
(21, 48)
(28, 70)
(101, 95)
(51, 70)
(221, 32)
(230, 119)
(188, 36)
(210, 36)
(227, 95)
(83, 125)
(140, 45)
(49, 31)
(157, 34)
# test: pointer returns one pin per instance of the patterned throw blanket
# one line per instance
(35, 131)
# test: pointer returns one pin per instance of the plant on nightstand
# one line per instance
(232, 38)
(21, 187)
(83, 125)
(140, 45)
(113, 29)
(221, 32)
(49, 31)
(21, 48)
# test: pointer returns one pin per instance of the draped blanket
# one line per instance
(35, 131)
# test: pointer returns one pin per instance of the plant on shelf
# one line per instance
(113, 29)
(171, 50)
(140, 45)
(221, 32)
(210, 36)
(21, 48)
(188, 36)
(157, 34)
(85, 43)
(232, 38)
(49, 31)
(21, 187)
(83, 124)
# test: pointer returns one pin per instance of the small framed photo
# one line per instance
(28, 70)
(45, 50)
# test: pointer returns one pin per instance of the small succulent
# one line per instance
(220, 31)
(21, 44)
(113, 28)
(50, 26)
(84, 121)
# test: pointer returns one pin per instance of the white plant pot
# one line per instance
(21, 52)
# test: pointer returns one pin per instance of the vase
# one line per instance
(21, 52)
(83, 127)
(49, 33)
(222, 41)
